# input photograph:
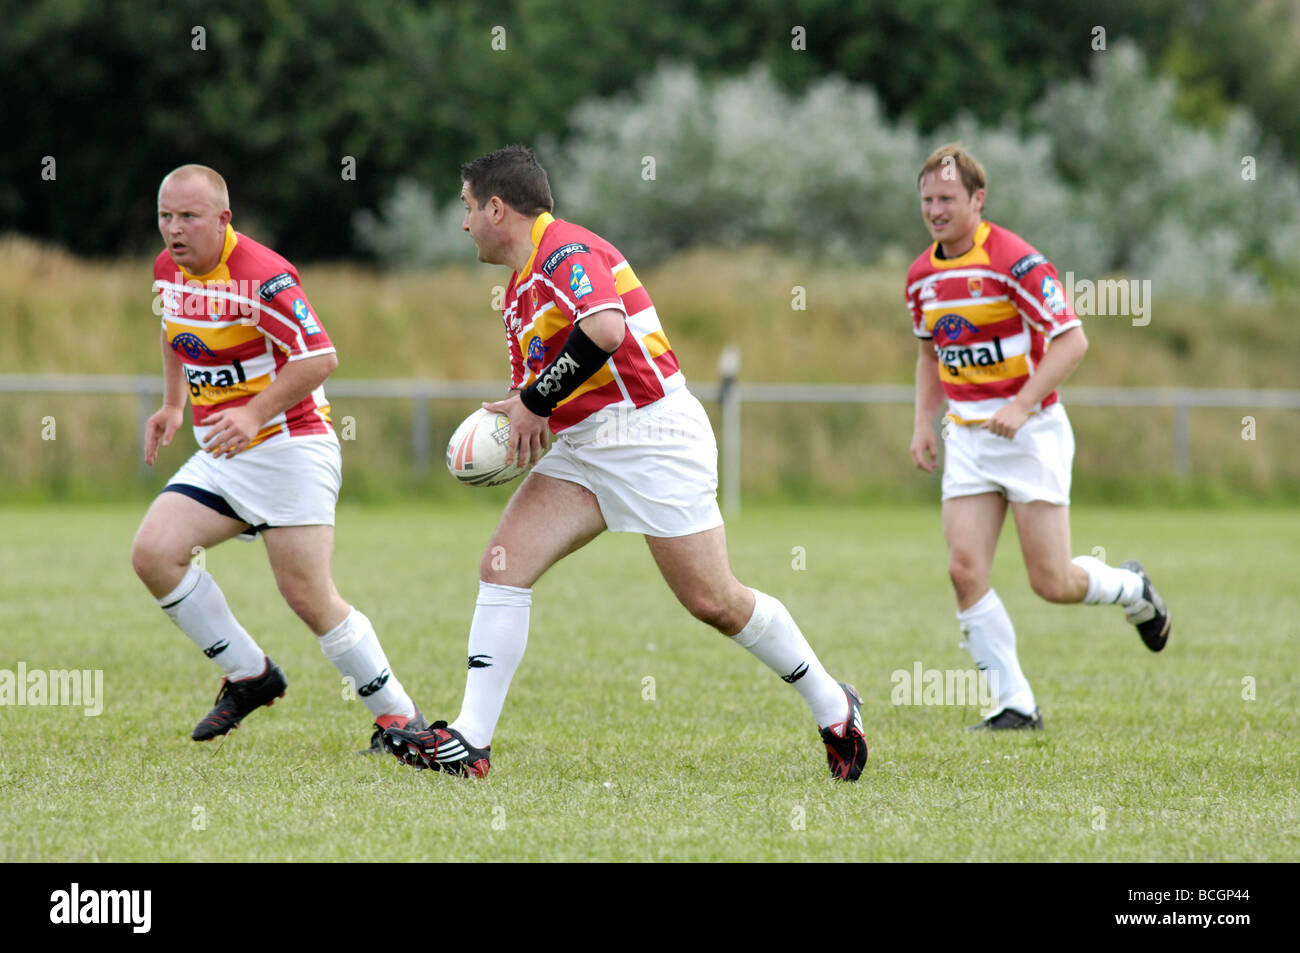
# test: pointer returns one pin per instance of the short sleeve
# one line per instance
(582, 282)
(1037, 294)
(287, 318)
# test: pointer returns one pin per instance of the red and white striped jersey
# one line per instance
(574, 272)
(234, 328)
(990, 313)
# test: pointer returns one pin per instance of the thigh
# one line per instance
(545, 520)
(694, 566)
(1044, 530)
(301, 553)
(175, 524)
(972, 525)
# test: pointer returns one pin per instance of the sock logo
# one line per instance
(374, 685)
(216, 648)
(797, 674)
(477, 661)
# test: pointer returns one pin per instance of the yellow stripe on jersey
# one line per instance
(656, 343)
(625, 280)
(216, 338)
(1016, 366)
(988, 312)
(546, 324)
(598, 379)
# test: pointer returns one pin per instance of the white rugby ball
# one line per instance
(476, 455)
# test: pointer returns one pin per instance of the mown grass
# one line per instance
(1186, 755)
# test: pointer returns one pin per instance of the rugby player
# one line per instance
(986, 305)
(241, 340)
(634, 453)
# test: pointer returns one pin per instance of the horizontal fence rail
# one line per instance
(728, 392)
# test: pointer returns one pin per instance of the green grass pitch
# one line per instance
(1187, 755)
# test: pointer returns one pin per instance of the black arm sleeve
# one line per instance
(580, 358)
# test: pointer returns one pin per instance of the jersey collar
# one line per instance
(539, 229)
(221, 272)
(975, 256)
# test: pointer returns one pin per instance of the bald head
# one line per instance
(193, 212)
(208, 179)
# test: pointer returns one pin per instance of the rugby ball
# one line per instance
(476, 455)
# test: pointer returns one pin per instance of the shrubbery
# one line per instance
(1100, 175)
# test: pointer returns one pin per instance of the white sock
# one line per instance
(354, 649)
(497, 639)
(772, 635)
(199, 609)
(1108, 583)
(987, 633)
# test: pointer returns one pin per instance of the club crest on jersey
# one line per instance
(579, 283)
(975, 286)
(536, 355)
(1053, 297)
(952, 327)
(192, 346)
(305, 318)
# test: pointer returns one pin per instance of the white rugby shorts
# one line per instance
(1033, 465)
(653, 469)
(289, 481)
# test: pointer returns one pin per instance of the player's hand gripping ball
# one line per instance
(476, 454)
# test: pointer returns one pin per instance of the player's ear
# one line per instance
(224, 219)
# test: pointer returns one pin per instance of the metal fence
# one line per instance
(728, 392)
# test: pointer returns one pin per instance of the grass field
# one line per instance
(1144, 758)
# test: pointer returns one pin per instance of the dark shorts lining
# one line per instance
(213, 502)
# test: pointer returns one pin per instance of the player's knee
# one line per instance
(1052, 586)
(306, 598)
(966, 574)
(713, 610)
(148, 557)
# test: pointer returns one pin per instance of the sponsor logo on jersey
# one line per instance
(214, 377)
(536, 355)
(953, 327)
(192, 346)
(1027, 264)
(927, 291)
(564, 251)
(1053, 296)
(975, 286)
(274, 285)
(305, 318)
(979, 355)
(579, 283)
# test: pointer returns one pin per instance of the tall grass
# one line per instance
(60, 315)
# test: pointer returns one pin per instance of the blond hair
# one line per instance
(951, 161)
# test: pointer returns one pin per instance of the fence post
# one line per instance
(420, 432)
(1182, 439)
(729, 397)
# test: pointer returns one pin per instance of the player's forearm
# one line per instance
(296, 380)
(174, 389)
(1062, 357)
(929, 390)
